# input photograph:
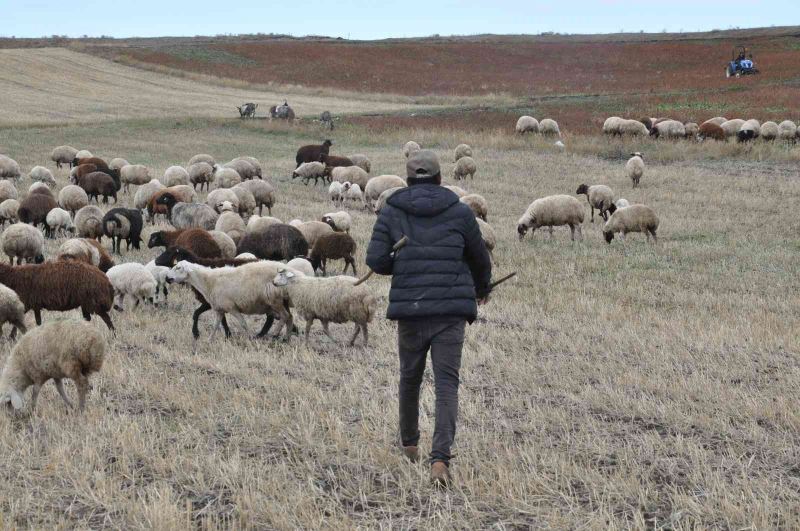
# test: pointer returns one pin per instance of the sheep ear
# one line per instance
(16, 400)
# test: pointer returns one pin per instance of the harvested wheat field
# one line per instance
(607, 386)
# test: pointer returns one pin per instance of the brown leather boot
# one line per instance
(440, 475)
(411, 453)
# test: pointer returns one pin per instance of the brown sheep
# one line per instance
(83, 170)
(312, 152)
(333, 246)
(34, 208)
(97, 161)
(41, 190)
(712, 131)
(96, 184)
(182, 194)
(332, 161)
(61, 286)
(198, 241)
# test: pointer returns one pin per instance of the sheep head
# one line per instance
(582, 189)
(522, 230)
(157, 240)
(329, 221)
(283, 278)
(608, 235)
(637, 154)
(180, 273)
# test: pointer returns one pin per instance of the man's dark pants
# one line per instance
(444, 338)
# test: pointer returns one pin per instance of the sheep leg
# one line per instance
(35, 396)
(38, 314)
(355, 334)
(551, 232)
(267, 325)
(655, 238)
(592, 207)
(309, 323)
(326, 330)
(204, 306)
(580, 232)
(107, 320)
(82, 383)
(366, 336)
(60, 386)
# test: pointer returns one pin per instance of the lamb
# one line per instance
(552, 211)
(710, 130)
(361, 161)
(548, 127)
(243, 290)
(61, 349)
(226, 244)
(134, 280)
(159, 274)
(377, 185)
(134, 174)
(489, 237)
(278, 242)
(232, 225)
(244, 168)
(89, 222)
(202, 157)
(333, 246)
(788, 131)
(9, 169)
(63, 155)
(247, 202)
(146, 192)
(8, 191)
(201, 173)
(460, 192)
(123, 224)
(527, 124)
(331, 300)
(351, 174)
(671, 129)
(312, 152)
(634, 218)
(631, 128)
(310, 170)
(410, 148)
(86, 250)
(379, 204)
(198, 241)
(42, 175)
(226, 177)
(611, 125)
(34, 208)
(57, 220)
(217, 197)
(61, 286)
(9, 211)
(634, 168)
(301, 265)
(478, 204)
(174, 176)
(731, 127)
(599, 196)
(770, 131)
(352, 192)
(313, 230)
(258, 223)
(465, 167)
(96, 184)
(750, 130)
(335, 193)
(719, 120)
(263, 193)
(691, 129)
(20, 240)
(13, 311)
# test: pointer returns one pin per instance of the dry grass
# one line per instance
(55, 85)
(606, 387)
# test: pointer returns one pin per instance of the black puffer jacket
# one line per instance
(445, 265)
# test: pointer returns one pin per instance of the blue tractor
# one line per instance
(741, 63)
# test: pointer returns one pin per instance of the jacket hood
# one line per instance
(424, 200)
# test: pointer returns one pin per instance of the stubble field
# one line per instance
(605, 387)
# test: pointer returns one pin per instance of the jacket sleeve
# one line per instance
(380, 245)
(477, 257)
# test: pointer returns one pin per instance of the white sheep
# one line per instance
(56, 350)
(118, 163)
(43, 175)
(83, 154)
(788, 130)
(248, 256)
(462, 150)
(217, 197)
(202, 157)
(301, 265)
(231, 224)
(634, 168)
(621, 203)
(381, 202)
(8, 191)
(89, 222)
(174, 176)
(527, 124)
(247, 202)
(310, 170)
(599, 196)
(226, 244)
(226, 177)
(410, 148)
(361, 161)
(72, 198)
(489, 237)
(631, 128)
(134, 174)
(672, 129)
(770, 131)
(63, 155)
(159, 274)
(465, 167)
(134, 280)
(339, 221)
(57, 220)
(312, 230)
(145, 192)
(335, 193)
(263, 193)
(634, 218)
(329, 299)
(9, 169)
(377, 185)
(352, 192)
(9, 211)
(549, 127)
(351, 174)
(21, 240)
(259, 224)
(731, 127)
(552, 211)
(12, 311)
(478, 204)
(611, 125)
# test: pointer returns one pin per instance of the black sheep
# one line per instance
(123, 224)
(277, 242)
(312, 152)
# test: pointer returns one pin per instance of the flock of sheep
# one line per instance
(718, 128)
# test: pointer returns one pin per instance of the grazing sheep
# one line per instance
(13, 311)
(99, 163)
(226, 244)
(202, 157)
(8, 191)
(201, 173)
(312, 230)
(648, 122)
(410, 148)
(788, 131)
(72, 198)
(620, 203)
(9, 211)
(462, 150)
(9, 169)
(352, 192)
(123, 224)
(465, 167)
(631, 128)
(89, 222)
(477, 203)
(198, 241)
(333, 161)
(34, 208)
(193, 215)
(527, 124)
(40, 188)
(134, 174)
(174, 176)
(599, 196)
(61, 286)
(244, 168)
(634, 218)
(146, 192)
(361, 161)
(255, 163)
(331, 300)
(460, 192)
(57, 220)
(63, 155)
(42, 175)
(552, 211)
(310, 170)
(712, 131)
(83, 154)
(731, 127)
(232, 225)
(489, 237)
(61, 349)
(335, 193)
(719, 120)
(312, 152)
(301, 265)
(159, 274)
(750, 130)
(277, 242)
(86, 250)
(377, 185)
(134, 280)
(770, 131)
(634, 168)
(611, 125)
(216, 198)
(691, 129)
(182, 194)
(351, 174)
(247, 202)
(226, 177)
(118, 163)
(670, 129)
(258, 223)
(21, 240)
(385, 195)
(548, 127)
(96, 184)
(263, 193)
(333, 246)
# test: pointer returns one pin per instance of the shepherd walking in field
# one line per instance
(438, 279)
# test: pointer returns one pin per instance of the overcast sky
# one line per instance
(371, 19)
